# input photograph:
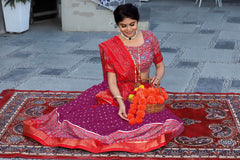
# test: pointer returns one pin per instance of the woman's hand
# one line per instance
(155, 81)
(160, 69)
(122, 112)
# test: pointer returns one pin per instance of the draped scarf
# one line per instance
(114, 53)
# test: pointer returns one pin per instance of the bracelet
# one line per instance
(118, 97)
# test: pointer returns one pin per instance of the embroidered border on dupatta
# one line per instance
(113, 52)
(31, 130)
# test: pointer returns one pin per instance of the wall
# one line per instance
(84, 15)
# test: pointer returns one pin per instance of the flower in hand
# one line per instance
(140, 98)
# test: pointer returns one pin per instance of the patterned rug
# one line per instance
(211, 127)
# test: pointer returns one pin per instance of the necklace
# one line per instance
(137, 69)
(129, 38)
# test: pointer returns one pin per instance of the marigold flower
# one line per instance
(142, 100)
(140, 113)
(130, 116)
(139, 120)
(157, 90)
(162, 90)
(146, 93)
(140, 93)
(139, 89)
(160, 99)
(135, 100)
(132, 121)
(151, 91)
(132, 110)
(133, 106)
(165, 96)
(142, 107)
(151, 100)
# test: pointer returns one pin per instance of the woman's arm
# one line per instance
(112, 82)
(160, 69)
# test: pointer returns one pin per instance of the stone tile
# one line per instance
(54, 60)
(236, 84)
(221, 70)
(78, 37)
(152, 26)
(21, 42)
(51, 47)
(229, 35)
(159, 35)
(168, 58)
(21, 54)
(176, 80)
(17, 74)
(183, 64)
(158, 15)
(57, 84)
(211, 26)
(88, 70)
(234, 90)
(52, 71)
(191, 22)
(9, 62)
(210, 85)
(7, 85)
(95, 60)
(174, 27)
(219, 11)
(233, 20)
(7, 49)
(225, 44)
(234, 27)
(86, 52)
(207, 31)
(169, 50)
(208, 55)
(204, 16)
(188, 40)
(92, 44)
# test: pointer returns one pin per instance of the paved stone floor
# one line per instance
(200, 46)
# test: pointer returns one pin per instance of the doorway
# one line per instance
(44, 9)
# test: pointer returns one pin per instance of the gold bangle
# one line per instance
(118, 97)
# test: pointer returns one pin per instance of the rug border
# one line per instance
(6, 94)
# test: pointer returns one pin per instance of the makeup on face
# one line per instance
(128, 27)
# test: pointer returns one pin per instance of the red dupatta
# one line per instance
(114, 53)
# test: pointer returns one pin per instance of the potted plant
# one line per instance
(16, 15)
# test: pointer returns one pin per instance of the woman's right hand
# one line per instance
(122, 112)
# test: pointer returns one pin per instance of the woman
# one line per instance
(97, 119)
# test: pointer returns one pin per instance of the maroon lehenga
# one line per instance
(91, 121)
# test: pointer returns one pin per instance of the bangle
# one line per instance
(118, 97)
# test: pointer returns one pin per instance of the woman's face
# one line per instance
(128, 27)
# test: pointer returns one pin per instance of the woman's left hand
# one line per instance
(155, 81)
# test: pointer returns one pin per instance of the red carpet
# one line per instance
(211, 127)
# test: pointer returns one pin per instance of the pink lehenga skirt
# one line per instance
(78, 124)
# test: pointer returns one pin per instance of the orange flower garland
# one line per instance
(140, 98)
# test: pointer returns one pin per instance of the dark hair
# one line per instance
(125, 11)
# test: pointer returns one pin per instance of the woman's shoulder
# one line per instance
(147, 32)
(148, 35)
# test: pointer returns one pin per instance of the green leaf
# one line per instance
(12, 2)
